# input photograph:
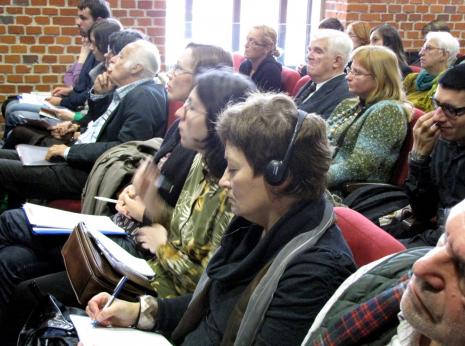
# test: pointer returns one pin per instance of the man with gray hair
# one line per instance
(328, 53)
(426, 285)
(137, 112)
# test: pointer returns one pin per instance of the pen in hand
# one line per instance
(105, 199)
(116, 292)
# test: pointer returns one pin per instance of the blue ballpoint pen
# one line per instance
(116, 292)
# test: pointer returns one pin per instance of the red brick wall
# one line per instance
(39, 38)
(409, 16)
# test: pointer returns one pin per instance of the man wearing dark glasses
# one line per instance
(436, 178)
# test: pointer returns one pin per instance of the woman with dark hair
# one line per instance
(279, 260)
(177, 250)
(260, 64)
(388, 36)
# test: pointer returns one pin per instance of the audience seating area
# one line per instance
(367, 241)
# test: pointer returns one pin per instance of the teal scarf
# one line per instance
(424, 81)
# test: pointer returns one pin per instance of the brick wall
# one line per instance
(39, 38)
(409, 16)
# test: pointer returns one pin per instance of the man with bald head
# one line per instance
(417, 300)
(137, 112)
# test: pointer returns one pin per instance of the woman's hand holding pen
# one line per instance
(130, 204)
(119, 314)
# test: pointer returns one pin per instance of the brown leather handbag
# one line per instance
(90, 272)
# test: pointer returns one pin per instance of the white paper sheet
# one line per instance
(45, 217)
(91, 335)
(119, 258)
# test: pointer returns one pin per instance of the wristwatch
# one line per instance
(418, 158)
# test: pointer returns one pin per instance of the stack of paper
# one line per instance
(33, 155)
(33, 98)
(121, 260)
(45, 220)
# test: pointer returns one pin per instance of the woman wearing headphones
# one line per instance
(279, 260)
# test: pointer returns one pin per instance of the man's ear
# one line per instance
(337, 61)
(136, 69)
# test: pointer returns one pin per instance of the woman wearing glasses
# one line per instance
(368, 131)
(260, 64)
(437, 54)
(359, 33)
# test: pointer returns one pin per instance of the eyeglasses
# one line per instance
(449, 111)
(429, 48)
(177, 70)
(188, 106)
(357, 73)
(255, 43)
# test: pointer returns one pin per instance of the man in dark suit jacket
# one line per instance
(137, 112)
(328, 54)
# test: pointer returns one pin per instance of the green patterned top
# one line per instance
(199, 220)
(369, 143)
(420, 99)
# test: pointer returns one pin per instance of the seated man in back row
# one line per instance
(431, 301)
(136, 112)
(327, 55)
(436, 180)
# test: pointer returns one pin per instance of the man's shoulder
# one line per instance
(148, 89)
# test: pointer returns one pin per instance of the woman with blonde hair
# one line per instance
(368, 130)
(359, 32)
(260, 64)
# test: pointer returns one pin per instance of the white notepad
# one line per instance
(45, 220)
(91, 335)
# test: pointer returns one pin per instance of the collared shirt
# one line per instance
(94, 127)
(319, 85)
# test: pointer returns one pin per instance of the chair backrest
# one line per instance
(173, 106)
(400, 171)
(289, 79)
(367, 241)
(238, 58)
(73, 205)
(300, 83)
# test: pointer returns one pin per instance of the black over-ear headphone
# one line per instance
(276, 170)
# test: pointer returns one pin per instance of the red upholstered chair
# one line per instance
(238, 58)
(173, 106)
(401, 168)
(289, 78)
(367, 241)
(73, 205)
(300, 83)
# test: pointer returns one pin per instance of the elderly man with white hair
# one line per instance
(327, 55)
(137, 112)
(430, 298)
